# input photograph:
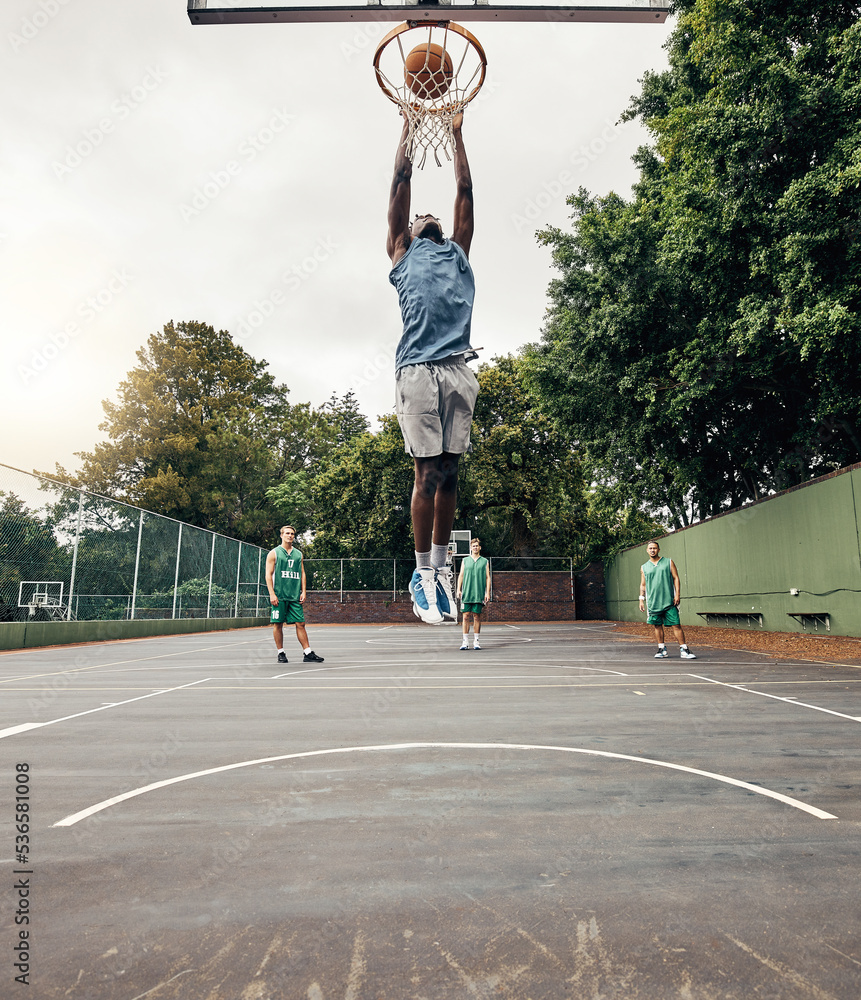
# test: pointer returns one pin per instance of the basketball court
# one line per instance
(556, 815)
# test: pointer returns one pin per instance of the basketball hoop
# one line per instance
(431, 99)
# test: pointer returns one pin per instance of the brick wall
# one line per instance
(517, 597)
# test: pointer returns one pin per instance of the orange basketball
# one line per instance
(428, 71)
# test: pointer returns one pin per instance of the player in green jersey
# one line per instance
(285, 578)
(473, 591)
(661, 592)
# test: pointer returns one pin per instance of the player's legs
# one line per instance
(278, 635)
(659, 634)
(476, 624)
(434, 500)
(466, 617)
(302, 635)
(679, 633)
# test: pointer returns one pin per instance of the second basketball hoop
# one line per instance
(431, 71)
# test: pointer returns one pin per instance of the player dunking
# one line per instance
(435, 390)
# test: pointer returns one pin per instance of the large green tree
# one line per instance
(202, 432)
(703, 340)
(522, 488)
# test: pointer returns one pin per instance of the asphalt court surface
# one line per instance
(556, 815)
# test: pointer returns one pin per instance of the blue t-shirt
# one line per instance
(436, 290)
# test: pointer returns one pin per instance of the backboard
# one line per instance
(250, 12)
(40, 594)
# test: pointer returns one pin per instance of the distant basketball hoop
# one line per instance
(444, 88)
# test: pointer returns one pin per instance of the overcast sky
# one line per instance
(238, 175)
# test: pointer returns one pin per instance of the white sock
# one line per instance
(423, 560)
(281, 650)
(438, 555)
(307, 650)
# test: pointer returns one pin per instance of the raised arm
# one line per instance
(398, 240)
(463, 207)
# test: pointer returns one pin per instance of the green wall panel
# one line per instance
(747, 561)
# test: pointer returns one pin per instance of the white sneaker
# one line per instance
(444, 597)
(423, 592)
(686, 654)
(476, 644)
(661, 653)
(465, 644)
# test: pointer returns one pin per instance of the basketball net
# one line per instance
(429, 118)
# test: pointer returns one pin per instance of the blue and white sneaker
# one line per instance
(662, 653)
(423, 592)
(444, 597)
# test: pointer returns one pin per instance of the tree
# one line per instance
(702, 343)
(202, 432)
(522, 488)
(362, 498)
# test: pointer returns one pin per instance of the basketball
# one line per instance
(428, 71)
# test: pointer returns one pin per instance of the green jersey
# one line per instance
(660, 589)
(287, 578)
(474, 580)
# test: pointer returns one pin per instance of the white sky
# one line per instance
(168, 211)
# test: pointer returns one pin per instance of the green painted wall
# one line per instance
(807, 538)
(21, 635)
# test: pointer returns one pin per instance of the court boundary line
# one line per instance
(74, 818)
(27, 726)
(788, 701)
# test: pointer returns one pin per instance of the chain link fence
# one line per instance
(66, 554)
(69, 554)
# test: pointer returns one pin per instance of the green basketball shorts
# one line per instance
(472, 609)
(287, 613)
(668, 616)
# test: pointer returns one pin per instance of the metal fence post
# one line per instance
(137, 568)
(394, 579)
(342, 582)
(176, 574)
(257, 587)
(211, 565)
(75, 556)
(238, 570)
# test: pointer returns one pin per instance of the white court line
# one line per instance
(427, 675)
(38, 725)
(119, 663)
(793, 700)
(757, 789)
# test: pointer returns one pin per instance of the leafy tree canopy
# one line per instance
(702, 343)
(202, 432)
(522, 488)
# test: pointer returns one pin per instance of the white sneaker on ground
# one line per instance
(423, 592)
(444, 596)
(686, 654)
(476, 644)
(661, 653)
(464, 644)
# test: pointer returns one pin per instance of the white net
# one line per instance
(433, 86)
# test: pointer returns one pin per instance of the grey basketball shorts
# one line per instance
(434, 402)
